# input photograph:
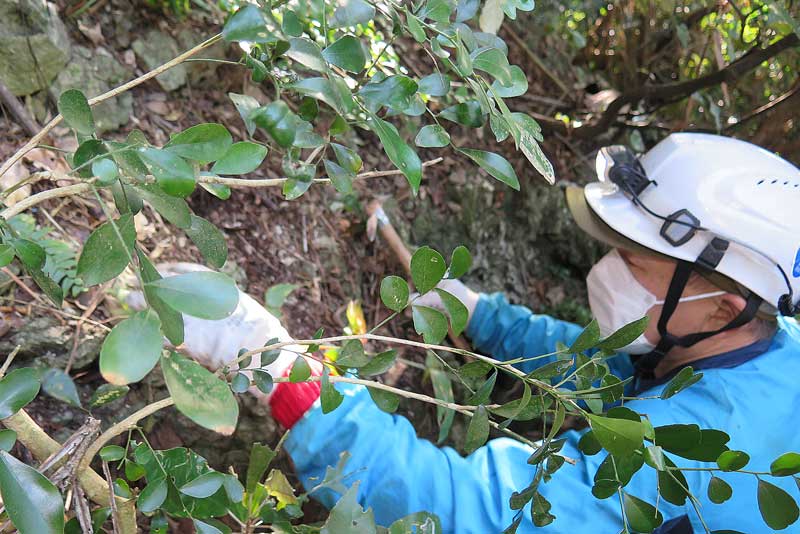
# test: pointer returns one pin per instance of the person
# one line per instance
(704, 242)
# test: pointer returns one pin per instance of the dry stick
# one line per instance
(18, 110)
(96, 299)
(77, 189)
(21, 284)
(36, 139)
(114, 512)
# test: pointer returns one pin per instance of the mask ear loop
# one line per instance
(647, 363)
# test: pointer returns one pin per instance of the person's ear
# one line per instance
(729, 306)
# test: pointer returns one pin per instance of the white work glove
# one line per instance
(214, 344)
(468, 297)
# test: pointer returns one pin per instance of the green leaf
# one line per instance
(105, 170)
(240, 383)
(443, 390)
(522, 410)
(260, 458)
(107, 393)
(352, 355)
(678, 437)
(263, 380)
(493, 61)
(85, 153)
(618, 436)
(221, 191)
(48, 286)
(432, 136)
(460, 262)
(352, 12)
(347, 157)
(241, 158)
(712, 444)
(203, 142)
(341, 178)
(6, 254)
(204, 294)
(173, 209)
(290, 24)
(436, 10)
(104, 256)
(203, 486)
(112, 453)
(642, 516)
(174, 175)
(550, 370)
(7, 439)
(415, 27)
(17, 389)
(733, 460)
(672, 484)
(29, 253)
(477, 431)
(379, 364)
(625, 335)
(785, 465)
(152, 496)
(719, 491)
(132, 349)
(403, 156)
(396, 91)
(475, 369)
(205, 528)
(436, 84)
(654, 457)
(247, 24)
(324, 90)
(233, 488)
(348, 516)
(427, 268)
(301, 371)
(346, 53)
(307, 53)
(394, 293)
(495, 164)
(588, 444)
(199, 394)
(276, 296)
(466, 113)
(587, 339)
(59, 385)
(245, 105)
(482, 395)
(75, 109)
(418, 523)
(171, 320)
(430, 323)
(459, 315)
(385, 400)
(32, 503)
(685, 378)
(517, 86)
(329, 396)
(777, 507)
(210, 240)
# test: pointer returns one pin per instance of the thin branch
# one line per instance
(77, 189)
(36, 139)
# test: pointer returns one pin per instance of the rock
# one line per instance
(34, 46)
(94, 72)
(48, 343)
(201, 71)
(156, 48)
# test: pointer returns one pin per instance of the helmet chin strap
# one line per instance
(647, 363)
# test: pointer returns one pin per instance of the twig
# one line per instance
(77, 189)
(9, 359)
(96, 299)
(36, 139)
(114, 511)
(82, 509)
(18, 110)
(21, 284)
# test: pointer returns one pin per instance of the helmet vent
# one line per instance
(785, 183)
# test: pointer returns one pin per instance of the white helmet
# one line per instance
(721, 205)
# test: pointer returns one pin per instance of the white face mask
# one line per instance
(617, 298)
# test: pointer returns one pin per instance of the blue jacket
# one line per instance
(754, 400)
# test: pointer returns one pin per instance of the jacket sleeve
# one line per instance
(401, 474)
(506, 332)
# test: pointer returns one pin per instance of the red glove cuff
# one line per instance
(289, 402)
